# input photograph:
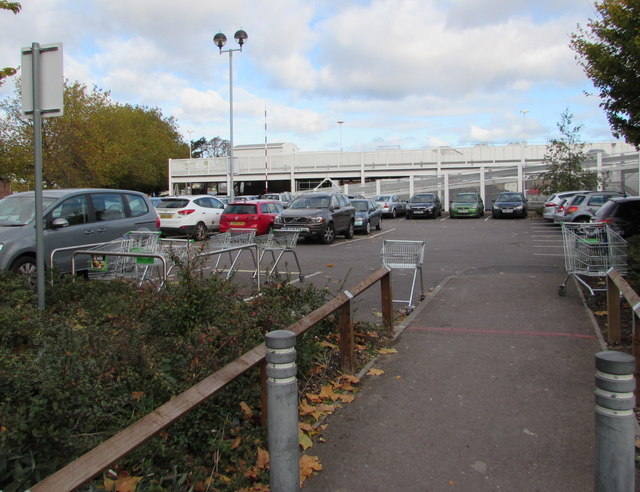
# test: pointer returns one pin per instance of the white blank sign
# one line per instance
(51, 83)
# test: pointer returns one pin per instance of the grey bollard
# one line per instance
(615, 422)
(282, 408)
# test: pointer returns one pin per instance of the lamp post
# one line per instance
(220, 40)
(524, 125)
(340, 122)
(190, 132)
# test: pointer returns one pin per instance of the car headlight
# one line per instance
(317, 220)
(278, 220)
(519, 207)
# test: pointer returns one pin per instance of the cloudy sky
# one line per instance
(399, 73)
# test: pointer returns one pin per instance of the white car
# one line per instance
(550, 206)
(192, 215)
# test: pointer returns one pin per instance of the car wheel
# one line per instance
(200, 232)
(394, 214)
(348, 234)
(408, 216)
(367, 227)
(379, 224)
(25, 266)
(452, 215)
(329, 234)
(582, 220)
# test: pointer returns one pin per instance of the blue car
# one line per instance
(368, 215)
(509, 204)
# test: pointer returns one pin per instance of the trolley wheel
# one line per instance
(301, 277)
(562, 290)
(422, 297)
(408, 310)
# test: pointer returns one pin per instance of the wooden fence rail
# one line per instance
(616, 286)
(91, 464)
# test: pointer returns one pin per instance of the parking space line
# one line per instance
(369, 236)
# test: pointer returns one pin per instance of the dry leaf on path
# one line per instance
(375, 372)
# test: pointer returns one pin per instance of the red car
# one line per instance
(252, 214)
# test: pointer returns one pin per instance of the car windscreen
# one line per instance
(360, 206)
(173, 203)
(20, 210)
(509, 197)
(310, 202)
(422, 198)
(466, 198)
(240, 208)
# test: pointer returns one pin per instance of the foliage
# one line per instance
(564, 157)
(203, 148)
(609, 51)
(103, 354)
(14, 7)
(97, 142)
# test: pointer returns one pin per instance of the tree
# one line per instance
(97, 142)
(609, 52)
(14, 7)
(564, 157)
(203, 148)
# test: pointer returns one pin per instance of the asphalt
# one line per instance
(491, 388)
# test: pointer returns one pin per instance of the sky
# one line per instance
(398, 73)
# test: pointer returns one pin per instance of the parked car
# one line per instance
(284, 198)
(259, 215)
(193, 215)
(368, 215)
(319, 215)
(551, 204)
(621, 214)
(72, 217)
(582, 206)
(357, 196)
(466, 205)
(423, 205)
(509, 204)
(391, 205)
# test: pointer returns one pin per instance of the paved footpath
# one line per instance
(491, 389)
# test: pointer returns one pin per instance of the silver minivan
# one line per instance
(72, 217)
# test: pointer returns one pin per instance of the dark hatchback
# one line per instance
(509, 204)
(319, 215)
(621, 214)
(423, 205)
(368, 215)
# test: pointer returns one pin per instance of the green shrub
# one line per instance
(104, 354)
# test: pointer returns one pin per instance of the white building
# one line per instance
(484, 168)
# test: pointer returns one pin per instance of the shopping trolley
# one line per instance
(281, 241)
(405, 255)
(233, 242)
(590, 250)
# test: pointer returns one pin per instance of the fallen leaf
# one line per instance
(347, 398)
(385, 351)
(263, 459)
(350, 377)
(305, 427)
(236, 443)
(376, 313)
(122, 484)
(328, 345)
(304, 440)
(308, 464)
(329, 265)
(375, 372)
(136, 395)
(326, 393)
(305, 408)
(248, 413)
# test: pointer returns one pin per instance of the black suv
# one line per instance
(319, 215)
(622, 215)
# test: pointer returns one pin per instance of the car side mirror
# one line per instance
(59, 223)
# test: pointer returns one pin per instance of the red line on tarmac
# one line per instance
(499, 332)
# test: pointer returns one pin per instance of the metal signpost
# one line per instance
(42, 96)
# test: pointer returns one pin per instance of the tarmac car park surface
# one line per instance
(452, 248)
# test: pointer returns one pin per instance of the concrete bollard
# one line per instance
(615, 422)
(282, 407)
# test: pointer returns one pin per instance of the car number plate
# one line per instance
(418, 211)
(166, 216)
(507, 211)
(237, 223)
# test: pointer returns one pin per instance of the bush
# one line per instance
(104, 354)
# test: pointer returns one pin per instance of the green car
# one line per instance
(466, 205)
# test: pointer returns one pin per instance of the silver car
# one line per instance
(391, 205)
(583, 206)
(72, 217)
(551, 204)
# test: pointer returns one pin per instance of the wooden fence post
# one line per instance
(387, 300)
(347, 342)
(614, 335)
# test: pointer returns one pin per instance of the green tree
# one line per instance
(564, 157)
(97, 142)
(609, 51)
(14, 7)
(203, 148)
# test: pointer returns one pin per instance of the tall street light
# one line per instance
(524, 125)
(340, 122)
(220, 40)
(190, 132)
